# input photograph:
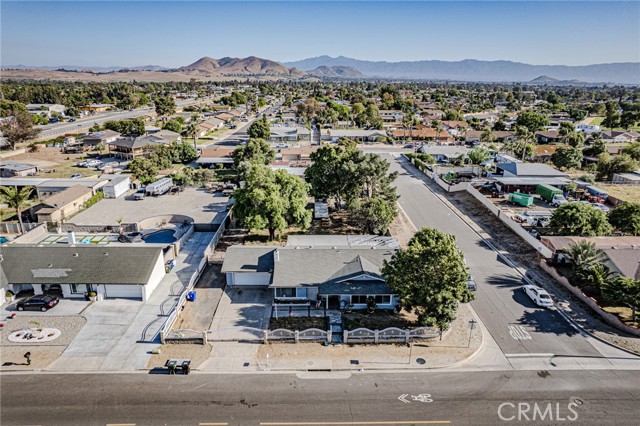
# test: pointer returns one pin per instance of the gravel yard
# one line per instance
(42, 354)
(196, 353)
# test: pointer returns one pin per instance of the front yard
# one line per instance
(298, 323)
(379, 320)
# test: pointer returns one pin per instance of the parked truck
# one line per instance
(159, 187)
(596, 194)
(546, 192)
(525, 200)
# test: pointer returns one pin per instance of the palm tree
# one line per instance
(584, 255)
(488, 135)
(192, 131)
(597, 277)
(16, 199)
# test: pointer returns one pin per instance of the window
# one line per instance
(285, 292)
(357, 299)
(383, 300)
(301, 292)
(79, 288)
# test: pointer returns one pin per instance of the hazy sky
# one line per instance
(176, 33)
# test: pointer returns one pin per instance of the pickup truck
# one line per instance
(558, 200)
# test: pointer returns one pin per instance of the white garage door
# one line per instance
(124, 291)
(251, 278)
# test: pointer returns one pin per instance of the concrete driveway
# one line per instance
(243, 314)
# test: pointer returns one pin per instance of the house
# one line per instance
(289, 134)
(217, 155)
(210, 125)
(9, 168)
(46, 187)
(356, 135)
(296, 154)
(548, 136)
(48, 109)
(472, 136)
(455, 127)
(524, 177)
(543, 153)
(627, 178)
(391, 116)
(225, 116)
(588, 128)
(623, 253)
(101, 138)
(167, 136)
(131, 148)
(112, 271)
(422, 132)
(620, 137)
(526, 170)
(93, 108)
(333, 276)
(443, 154)
(62, 205)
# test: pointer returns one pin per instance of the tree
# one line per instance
(596, 277)
(612, 118)
(567, 157)
(608, 166)
(430, 277)
(165, 105)
(374, 215)
(488, 136)
(532, 120)
(16, 198)
(271, 200)
(626, 218)
(144, 169)
(478, 155)
(133, 127)
(583, 255)
(623, 290)
(173, 125)
(598, 146)
(256, 151)
(192, 132)
(18, 127)
(183, 152)
(259, 129)
(632, 150)
(579, 219)
(329, 173)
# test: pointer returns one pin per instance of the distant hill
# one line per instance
(543, 79)
(475, 70)
(85, 68)
(336, 72)
(239, 66)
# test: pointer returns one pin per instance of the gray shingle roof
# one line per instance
(303, 267)
(530, 169)
(248, 259)
(29, 264)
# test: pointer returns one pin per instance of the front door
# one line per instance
(334, 302)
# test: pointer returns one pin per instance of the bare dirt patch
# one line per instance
(298, 323)
(379, 320)
(196, 353)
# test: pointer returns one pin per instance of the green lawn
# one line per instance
(597, 121)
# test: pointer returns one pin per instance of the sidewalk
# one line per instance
(119, 334)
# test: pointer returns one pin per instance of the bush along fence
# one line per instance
(357, 336)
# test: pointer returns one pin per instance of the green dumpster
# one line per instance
(525, 200)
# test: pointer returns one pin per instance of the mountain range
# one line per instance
(476, 70)
(348, 68)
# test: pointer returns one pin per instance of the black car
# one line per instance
(40, 302)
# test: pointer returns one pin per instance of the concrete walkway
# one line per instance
(120, 334)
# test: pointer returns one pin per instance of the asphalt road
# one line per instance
(517, 325)
(600, 398)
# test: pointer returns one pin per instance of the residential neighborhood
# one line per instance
(323, 241)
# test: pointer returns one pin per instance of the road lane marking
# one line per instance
(416, 422)
(121, 424)
(213, 424)
(518, 332)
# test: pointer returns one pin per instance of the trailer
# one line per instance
(599, 194)
(524, 200)
(159, 187)
(546, 192)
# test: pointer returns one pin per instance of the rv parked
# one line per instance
(159, 187)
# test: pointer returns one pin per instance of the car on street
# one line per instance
(75, 176)
(539, 295)
(471, 283)
(71, 120)
(282, 145)
(39, 302)
(81, 164)
(140, 194)
(93, 163)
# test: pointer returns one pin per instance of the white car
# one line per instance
(93, 163)
(539, 295)
(105, 166)
(81, 164)
(282, 145)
